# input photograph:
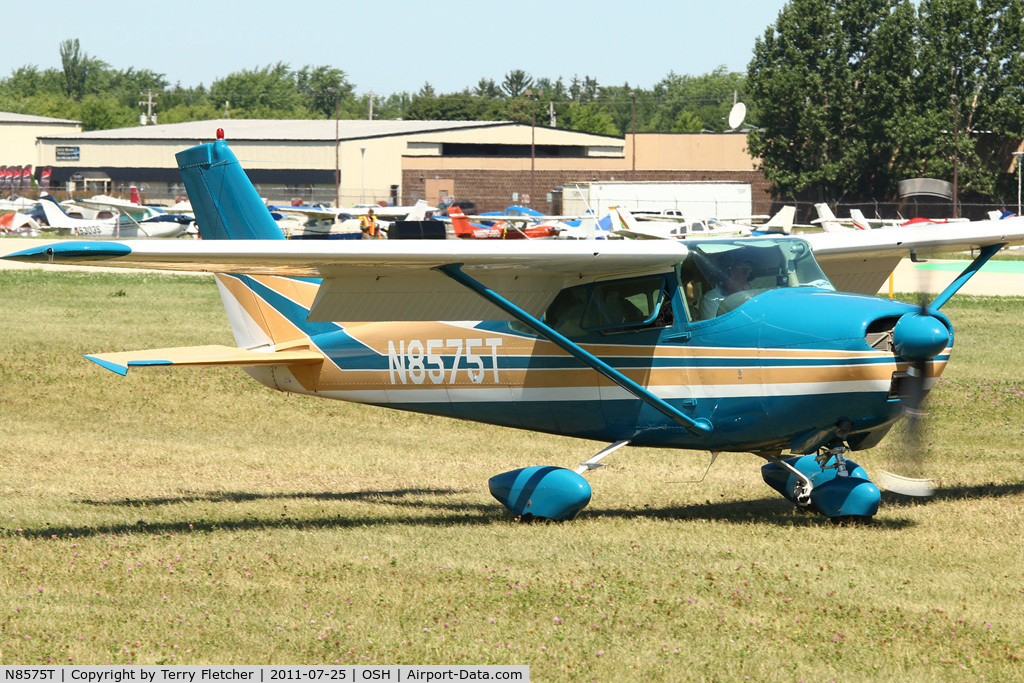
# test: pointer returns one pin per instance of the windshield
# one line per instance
(720, 275)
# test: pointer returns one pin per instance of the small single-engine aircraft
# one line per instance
(505, 228)
(676, 226)
(324, 222)
(111, 223)
(529, 223)
(611, 341)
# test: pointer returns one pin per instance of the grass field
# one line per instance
(192, 516)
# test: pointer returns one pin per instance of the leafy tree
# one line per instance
(589, 118)
(865, 93)
(103, 113)
(583, 91)
(322, 88)
(487, 89)
(971, 57)
(77, 68)
(687, 122)
(392, 106)
(267, 93)
(201, 111)
(516, 83)
(696, 103)
(812, 66)
(456, 107)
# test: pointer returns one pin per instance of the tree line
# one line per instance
(87, 89)
(845, 97)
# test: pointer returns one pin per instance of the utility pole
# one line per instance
(337, 150)
(1020, 157)
(371, 105)
(533, 139)
(149, 117)
(362, 175)
(956, 154)
(632, 96)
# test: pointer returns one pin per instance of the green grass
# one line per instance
(192, 516)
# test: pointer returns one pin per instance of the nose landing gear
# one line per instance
(827, 483)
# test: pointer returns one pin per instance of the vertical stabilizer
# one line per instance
(625, 218)
(460, 223)
(782, 222)
(859, 221)
(828, 220)
(225, 203)
(262, 310)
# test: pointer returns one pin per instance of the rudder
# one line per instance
(225, 203)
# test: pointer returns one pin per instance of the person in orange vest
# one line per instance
(368, 224)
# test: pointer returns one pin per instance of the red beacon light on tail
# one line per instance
(220, 133)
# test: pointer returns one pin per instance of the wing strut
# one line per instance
(700, 427)
(983, 256)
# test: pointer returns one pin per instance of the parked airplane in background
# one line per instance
(857, 221)
(671, 227)
(324, 222)
(672, 224)
(129, 212)
(609, 341)
(506, 228)
(58, 220)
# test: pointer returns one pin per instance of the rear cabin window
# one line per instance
(608, 307)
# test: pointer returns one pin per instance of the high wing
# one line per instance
(860, 261)
(370, 280)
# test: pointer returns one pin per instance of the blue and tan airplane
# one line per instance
(731, 344)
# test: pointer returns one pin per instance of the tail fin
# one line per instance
(782, 221)
(459, 222)
(133, 196)
(625, 218)
(419, 211)
(859, 220)
(225, 203)
(55, 214)
(828, 220)
(262, 309)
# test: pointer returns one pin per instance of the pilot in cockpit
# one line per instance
(738, 272)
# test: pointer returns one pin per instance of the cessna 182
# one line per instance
(601, 340)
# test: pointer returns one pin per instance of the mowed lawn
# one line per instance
(192, 516)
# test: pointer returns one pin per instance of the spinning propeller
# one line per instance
(917, 338)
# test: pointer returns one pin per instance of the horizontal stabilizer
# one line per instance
(203, 355)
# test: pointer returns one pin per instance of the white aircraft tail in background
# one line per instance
(828, 220)
(782, 222)
(859, 220)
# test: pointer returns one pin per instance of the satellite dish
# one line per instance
(736, 115)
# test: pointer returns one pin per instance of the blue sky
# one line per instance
(398, 45)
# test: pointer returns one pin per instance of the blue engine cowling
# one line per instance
(541, 492)
(832, 495)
